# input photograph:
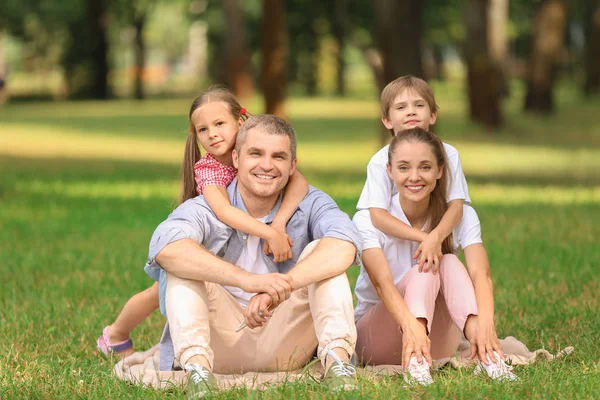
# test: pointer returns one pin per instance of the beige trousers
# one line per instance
(203, 317)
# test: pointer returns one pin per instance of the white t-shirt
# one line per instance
(399, 253)
(379, 188)
(250, 260)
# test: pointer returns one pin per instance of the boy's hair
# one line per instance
(398, 85)
(437, 202)
(272, 125)
(217, 93)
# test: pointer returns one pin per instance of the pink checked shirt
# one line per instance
(210, 171)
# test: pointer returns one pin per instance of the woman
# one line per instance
(411, 316)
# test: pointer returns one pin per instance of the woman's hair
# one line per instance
(192, 149)
(437, 202)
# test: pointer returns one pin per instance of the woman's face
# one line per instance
(414, 170)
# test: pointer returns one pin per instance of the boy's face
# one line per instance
(409, 110)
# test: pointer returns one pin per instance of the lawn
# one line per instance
(83, 185)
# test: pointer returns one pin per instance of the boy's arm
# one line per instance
(430, 248)
(295, 192)
(390, 225)
(218, 200)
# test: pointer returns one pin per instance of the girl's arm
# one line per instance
(430, 248)
(218, 200)
(392, 226)
(478, 266)
(414, 334)
(295, 191)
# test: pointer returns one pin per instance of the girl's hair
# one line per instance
(192, 149)
(437, 202)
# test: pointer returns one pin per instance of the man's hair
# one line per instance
(398, 85)
(270, 124)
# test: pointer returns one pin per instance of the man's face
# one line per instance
(264, 163)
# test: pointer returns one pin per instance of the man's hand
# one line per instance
(486, 342)
(430, 252)
(278, 286)
(258, 311)
(280, 244)
(415, 343)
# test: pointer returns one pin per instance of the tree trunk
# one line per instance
(482, 76)
(398, 33)
(398, 36)
(140, 55)
(592, 47)
(274, 57)
(311, 70)
(547, 44)
(340, 30)
(97, 11)
(237, 57)
(498, 41)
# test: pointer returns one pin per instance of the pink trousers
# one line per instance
(445, 300)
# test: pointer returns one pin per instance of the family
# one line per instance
(250, 268)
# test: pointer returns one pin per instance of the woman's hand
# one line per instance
(415, 343)
(430, 252)
(486, 342)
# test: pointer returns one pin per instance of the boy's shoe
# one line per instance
(341, 375)
(498, 371)
(418, 373)
(201, 382)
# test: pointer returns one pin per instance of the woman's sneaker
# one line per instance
(201, 382)
(418, 373)
(498, 370)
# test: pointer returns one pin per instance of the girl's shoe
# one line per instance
(107, 348)
(499, 370)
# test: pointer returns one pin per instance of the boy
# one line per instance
(408, 102)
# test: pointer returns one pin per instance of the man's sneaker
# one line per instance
(341, 375)
(201, 382)
(499, 370)
(418, 373)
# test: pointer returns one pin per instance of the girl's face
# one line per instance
(414, 170)
(216, 128)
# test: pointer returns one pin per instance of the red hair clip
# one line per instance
(243, 111)
(192, 129)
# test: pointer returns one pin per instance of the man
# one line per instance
(208, 272)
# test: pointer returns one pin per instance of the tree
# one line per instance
(135, 13)
(274, 57)
(340, 31)
(86, 57)
(483, 76)
(237, 57)
(546, 47)
(398, 30)
(498, 41)
(592, 47)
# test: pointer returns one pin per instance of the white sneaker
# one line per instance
(419, 373)
(498, 371)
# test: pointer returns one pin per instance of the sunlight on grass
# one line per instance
(168, 190)
(477, 158)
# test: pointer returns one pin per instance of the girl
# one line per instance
(407, 315)
(215, 117)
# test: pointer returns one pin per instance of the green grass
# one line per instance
(84, 185)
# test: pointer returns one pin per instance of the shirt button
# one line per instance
(244, 237)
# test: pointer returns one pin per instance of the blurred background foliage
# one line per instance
(101, 49)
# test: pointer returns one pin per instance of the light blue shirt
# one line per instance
(316, 217)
